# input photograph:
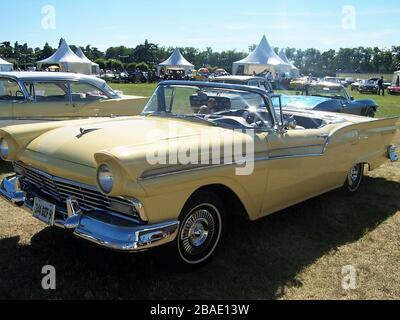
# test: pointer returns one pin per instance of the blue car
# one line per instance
(329, 97)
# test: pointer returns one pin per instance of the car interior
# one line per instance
(246, 117)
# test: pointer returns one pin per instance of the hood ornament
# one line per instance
(84, 131)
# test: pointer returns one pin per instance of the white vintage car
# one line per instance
(27, 97)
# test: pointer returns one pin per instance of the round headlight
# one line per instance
(4, 149)
(105, 178)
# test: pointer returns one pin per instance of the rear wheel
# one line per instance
(354, 179)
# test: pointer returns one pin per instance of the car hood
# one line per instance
(79, 143)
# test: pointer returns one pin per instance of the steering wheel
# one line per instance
(252, 118)
(19, 94)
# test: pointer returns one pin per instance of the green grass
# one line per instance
(389, 105)
(145, 90)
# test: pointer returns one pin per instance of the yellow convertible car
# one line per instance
(28, 97)
(199, 153)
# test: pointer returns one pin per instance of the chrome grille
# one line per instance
(89, 198)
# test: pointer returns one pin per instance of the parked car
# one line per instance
(369, 86)
(175, 74)
(27, 97)
(356, 85)
(336, 80)
(108, 183)
(300, 83)
(386, 83)
(349, 81)
(330, 97)
(258, 82)
(395, 87)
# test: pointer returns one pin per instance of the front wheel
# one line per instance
(200, 232)
(354, 179)
(370, 113)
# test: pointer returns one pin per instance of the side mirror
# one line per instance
(284, 125)
(352, 98)
(291, 123)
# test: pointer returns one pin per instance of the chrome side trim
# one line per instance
(199, 168)
(104, 230)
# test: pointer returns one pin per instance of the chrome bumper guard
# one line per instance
(392, 153)
(99, 227)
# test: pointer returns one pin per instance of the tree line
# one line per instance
(147, 55)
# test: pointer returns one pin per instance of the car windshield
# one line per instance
(107, 89)
(335, 92)
(297, 102)
(206, 103)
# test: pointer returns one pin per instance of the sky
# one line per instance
(219, 24)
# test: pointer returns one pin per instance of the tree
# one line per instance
(147, 53)
(131, 66)
(102, 63)
(142, 66)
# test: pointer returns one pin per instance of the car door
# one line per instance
(352, 106)
(297, 167)
(87, 100)
(11, 94)
(48, 100)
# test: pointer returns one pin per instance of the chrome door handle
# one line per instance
(323, 135)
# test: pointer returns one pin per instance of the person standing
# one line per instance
(381, 88)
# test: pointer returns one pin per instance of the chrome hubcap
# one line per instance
(353, 175)
(198, 229)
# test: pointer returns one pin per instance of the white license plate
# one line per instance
(44, 211)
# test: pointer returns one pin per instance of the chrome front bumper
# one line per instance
(99, 227)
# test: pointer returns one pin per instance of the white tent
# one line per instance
(294, 72)
(176, 60)
(262, 59)
(5, 66)
(95, 66)
(67, 60)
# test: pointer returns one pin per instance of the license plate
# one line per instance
(44, 211)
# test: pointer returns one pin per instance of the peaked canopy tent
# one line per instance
(262, 59)
(5, 66)
(294, 72)
(95, 66)
(67, 60)
(176, 61)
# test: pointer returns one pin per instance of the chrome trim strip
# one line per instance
(106, 231)
(257, 159)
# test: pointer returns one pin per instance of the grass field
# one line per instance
(298, 253)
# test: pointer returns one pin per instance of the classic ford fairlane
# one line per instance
(29, 97)
(199, 153)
